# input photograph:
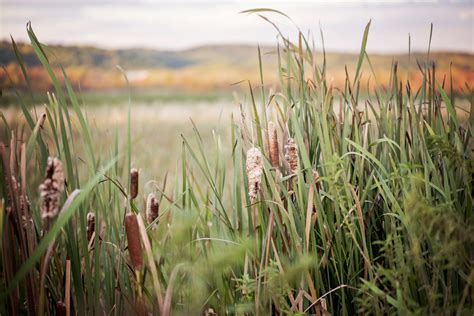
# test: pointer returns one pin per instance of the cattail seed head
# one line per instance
(133, 238)
(90, 225)
(291, 155)
(51, 188)
(151, 208)
(273, 145)
(316, 179)
(133, 183)
(61, 308)
(254, 172)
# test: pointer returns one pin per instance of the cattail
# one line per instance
(273, 145)
(151, 208)
(133, 238)
(133, 183)
(316, 179)
(61, 309)
(291, 155)
(90, 225)
(51, 188)
(254, 172)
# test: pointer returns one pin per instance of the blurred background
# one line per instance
(188, 58)
(205, 46)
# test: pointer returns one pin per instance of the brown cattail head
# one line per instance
(254, 172)
(61, 308)
(51, 188)
(151, 208)
(291, 155)
(133, 238)
(90, 225)
(273, 149)
(133, 183)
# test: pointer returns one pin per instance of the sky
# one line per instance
(181, 24)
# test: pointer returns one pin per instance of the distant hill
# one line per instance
(89, 56)
(203, 68)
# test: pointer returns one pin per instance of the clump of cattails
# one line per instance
(51, 188)
(133, 239)
(254, 172)
(151, 208)
(291, 155)
(273, 145)
(90, 225)
(133, 183)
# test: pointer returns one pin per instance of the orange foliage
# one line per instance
(212, 77)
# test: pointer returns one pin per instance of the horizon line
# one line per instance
(236, 44)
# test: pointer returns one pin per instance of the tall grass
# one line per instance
(373, 215)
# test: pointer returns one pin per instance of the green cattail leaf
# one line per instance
(362, 51)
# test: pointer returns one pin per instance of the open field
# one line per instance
(306, 195)
(159, 125)
(157, 130)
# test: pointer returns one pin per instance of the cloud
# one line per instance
(184, 24)
(466, 14)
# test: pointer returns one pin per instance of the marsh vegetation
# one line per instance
(301, 198)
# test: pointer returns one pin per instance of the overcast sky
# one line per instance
(187, 23)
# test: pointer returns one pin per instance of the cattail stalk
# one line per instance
(151, 208)
(273, 148)
(140, 307)
(133, 237)
(291, 155)
(133, 183)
